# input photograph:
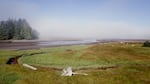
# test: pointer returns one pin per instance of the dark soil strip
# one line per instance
(14, 60)
(99, 68)
(89, 68)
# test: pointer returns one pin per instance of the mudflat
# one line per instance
(37, 44)
(18, 45)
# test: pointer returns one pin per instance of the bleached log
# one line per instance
(80, 73)
(29, 66)
(68, 72)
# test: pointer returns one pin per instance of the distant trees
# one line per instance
(16, 29)
(146, 44)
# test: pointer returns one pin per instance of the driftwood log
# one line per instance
(29, 66)
(68, 72)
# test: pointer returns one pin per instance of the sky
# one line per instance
(82, 19)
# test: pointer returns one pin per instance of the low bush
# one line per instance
(146, 44)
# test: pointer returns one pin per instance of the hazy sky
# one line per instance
(84, 19)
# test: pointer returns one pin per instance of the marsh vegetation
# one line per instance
(132, 64)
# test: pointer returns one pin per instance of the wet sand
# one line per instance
(18, 45)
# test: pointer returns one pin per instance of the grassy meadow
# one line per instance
(130, 64)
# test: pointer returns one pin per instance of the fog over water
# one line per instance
(82, 19)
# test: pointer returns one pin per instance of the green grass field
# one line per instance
(132, 63)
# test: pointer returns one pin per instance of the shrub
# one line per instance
(146, 44)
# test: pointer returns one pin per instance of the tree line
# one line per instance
(17, 30)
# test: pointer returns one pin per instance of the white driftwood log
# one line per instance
(68, 72)
(29, 66)
(80, 73)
